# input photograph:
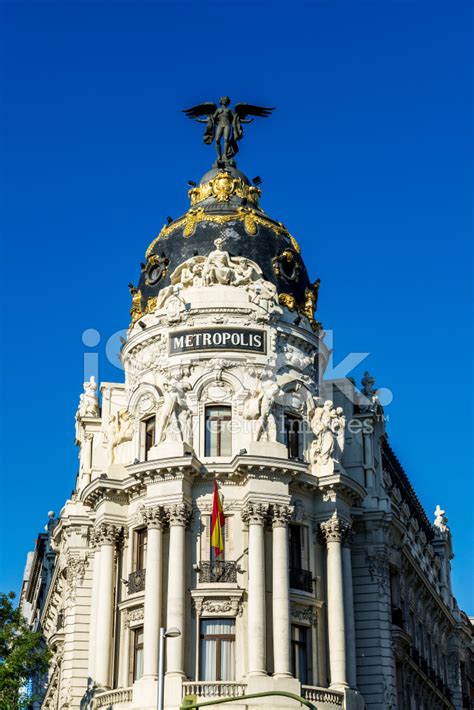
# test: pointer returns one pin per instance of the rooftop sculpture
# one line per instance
(223, 122)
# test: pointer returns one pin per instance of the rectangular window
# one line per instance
(293, 436)
(300, 574)
(301, 657)
(217, 649)
(140, 549)
(137, 653)
(149, 427)
(218, 438)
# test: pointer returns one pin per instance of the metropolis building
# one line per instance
(333, 584)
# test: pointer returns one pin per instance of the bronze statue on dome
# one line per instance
(223, 122)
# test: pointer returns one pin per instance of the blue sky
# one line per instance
(367, 160)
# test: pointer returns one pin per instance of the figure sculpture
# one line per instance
(120, 430)
(217, 268)
(259, 406)
(172, 424)
(89, 401)
(328, 426)
(222, 122)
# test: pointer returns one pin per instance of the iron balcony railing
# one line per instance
(136, 581)
(218, 571)
(301, 579)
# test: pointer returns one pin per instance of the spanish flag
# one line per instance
(217, 527)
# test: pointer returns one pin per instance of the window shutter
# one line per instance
(131, 655)
(304, 547)
(205, 538)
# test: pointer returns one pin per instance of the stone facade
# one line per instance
(334, 583)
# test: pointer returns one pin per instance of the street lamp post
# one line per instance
(164, 634)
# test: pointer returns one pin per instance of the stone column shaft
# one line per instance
(93, 616)
(254, 516)
(349, 615)
(153, 587)
(281, 592)
(178, 518)
(333, 531)
(107, 536)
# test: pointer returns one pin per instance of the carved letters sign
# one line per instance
(218, 339)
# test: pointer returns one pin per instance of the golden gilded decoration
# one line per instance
(308, 307)
(222, 187)
(136, 309)
(286, 299)
(248, 216)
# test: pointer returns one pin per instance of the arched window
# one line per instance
(218, 436)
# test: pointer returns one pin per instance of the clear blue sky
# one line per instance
(367, 161)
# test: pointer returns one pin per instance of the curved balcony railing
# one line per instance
(218, 571)
(136, 581)
(112, 697)
(322, 695)
(301, 579)
(214, 689)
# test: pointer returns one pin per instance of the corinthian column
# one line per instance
(106, 537)
(178, 516)
(333, 531)
(153, 518)
(254, 515)
(349, 608)
(281, 591)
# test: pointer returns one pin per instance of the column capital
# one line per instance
(154, 518)
(281, 515)
(106, 534)
(254, 513)
(179, 514)
(335, 529)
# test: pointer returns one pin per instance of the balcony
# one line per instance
(136, 581)
(112, 697)
(218, 571)
(301, 579)
(214, 689)
(322, 695)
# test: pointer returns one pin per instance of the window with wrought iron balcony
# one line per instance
(301, 577)
(211, 569)
(136, 578)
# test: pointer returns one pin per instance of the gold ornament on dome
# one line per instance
(222, 188)
(308, 307)
(248, 216)
(136, 309)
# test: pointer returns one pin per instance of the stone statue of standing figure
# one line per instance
(89, 401)
(328, 426)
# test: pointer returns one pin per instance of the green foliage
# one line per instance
(23, 654)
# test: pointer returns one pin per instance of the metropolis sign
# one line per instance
(218, 339)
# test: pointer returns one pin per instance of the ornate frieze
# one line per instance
(300, 612)
(335, 529)
(218, 607)
(132, 616)
(255, 513)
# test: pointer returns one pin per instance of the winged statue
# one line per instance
(223, 122)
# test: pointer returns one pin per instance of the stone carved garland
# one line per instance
(298, 612)
(133, 615)
(75, 572)
(218, 607)
(378, 565)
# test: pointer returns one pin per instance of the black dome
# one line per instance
(226, 205)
